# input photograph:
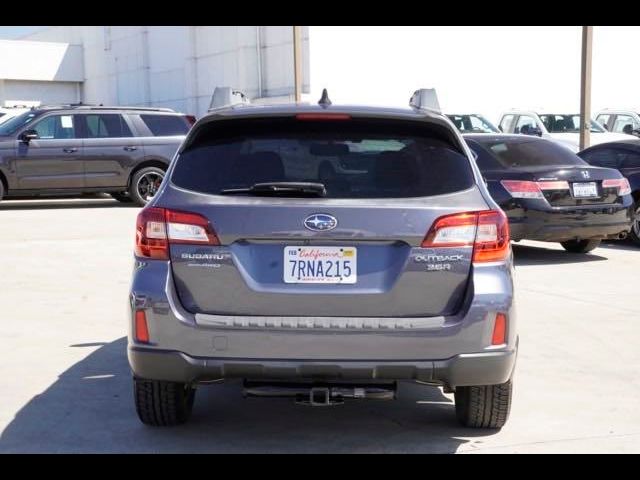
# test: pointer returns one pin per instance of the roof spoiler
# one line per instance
(225, 97)
(425, 99)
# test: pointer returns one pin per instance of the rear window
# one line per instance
(166, 125)
(353, 159)
(516, 153)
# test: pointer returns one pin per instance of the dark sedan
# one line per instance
(550, 194)
(625, 157)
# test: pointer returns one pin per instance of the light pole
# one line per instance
(297, 62)
(585, 88)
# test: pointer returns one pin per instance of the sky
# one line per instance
(484, 70)
(13, 32)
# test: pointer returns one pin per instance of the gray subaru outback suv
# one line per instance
(323, 253)
(74, 149)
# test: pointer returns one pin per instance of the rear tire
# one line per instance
(122, 197)
(1, 190)
(486, 406)
(634, 234)
(163, 404)
(145, 184)
(581, 246)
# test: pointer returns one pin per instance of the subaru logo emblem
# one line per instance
(586, 174)
(320, 222)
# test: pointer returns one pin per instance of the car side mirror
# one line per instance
(628, 129)
(29, 135)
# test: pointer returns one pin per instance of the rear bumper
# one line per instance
(488, 368)
(530, 221)
(453, 351)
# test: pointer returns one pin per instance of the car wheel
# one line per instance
(163, 404)
(122, 197)
(634, 234)
(581, 246)
(485, 406)
(145, 184)
(1, 190)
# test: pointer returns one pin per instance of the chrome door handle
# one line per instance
(69, 150)
(130, 149)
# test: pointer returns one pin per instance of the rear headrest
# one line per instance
(257, 167)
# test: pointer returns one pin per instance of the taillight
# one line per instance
(622, 184)
(526, 189)
(323, 116)
(492, 240)
(191, 119)
(157, 228)
(486, 231)
(151, 234)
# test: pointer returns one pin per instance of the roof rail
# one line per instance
(142, 109)
(226, 97)
(90, 106)
(425, 99)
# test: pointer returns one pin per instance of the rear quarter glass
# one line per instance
(166, 125)
(358, 158)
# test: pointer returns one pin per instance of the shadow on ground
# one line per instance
(62, 203)
(90, 409)
(527, 255)
(626, 245)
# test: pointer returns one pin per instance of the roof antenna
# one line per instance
(324, 100)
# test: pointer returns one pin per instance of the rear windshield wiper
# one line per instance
(280, 189)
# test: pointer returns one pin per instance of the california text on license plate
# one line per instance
(320, 265)
(588, 189)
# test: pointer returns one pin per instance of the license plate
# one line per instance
(585, 190)
(320, 265)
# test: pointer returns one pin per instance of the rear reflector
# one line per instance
(141, 328)
(486, 231)
(622, 184)
(499, 330)
(157, 228)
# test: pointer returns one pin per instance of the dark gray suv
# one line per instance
(323, 253)
(82, 149)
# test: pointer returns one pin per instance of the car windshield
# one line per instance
(351, 159)
(12, 125)
(567, 124)
(473, 124)
(516, 153)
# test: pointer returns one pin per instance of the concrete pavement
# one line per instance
(64, 278)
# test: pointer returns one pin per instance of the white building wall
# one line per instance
(179, 66)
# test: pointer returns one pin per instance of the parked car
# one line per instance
(81, 149)
(472, 123)
(563, 128)
(620, 121)
(9, 112)
(625, 157)
(249, 265)
(550, 194)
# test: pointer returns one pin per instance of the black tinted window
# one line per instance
(602, 157)
(166, 125)
(353, 159)
(104, 126)
(630, 159)
(484, 159)
(516, 153)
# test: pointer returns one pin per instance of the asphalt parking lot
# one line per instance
(66, 387)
